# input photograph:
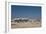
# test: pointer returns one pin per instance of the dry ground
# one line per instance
(25, 25)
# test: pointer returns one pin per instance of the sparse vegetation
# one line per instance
(20, 23)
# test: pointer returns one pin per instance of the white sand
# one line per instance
(25, 24)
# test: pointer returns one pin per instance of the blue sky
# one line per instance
(23, 11)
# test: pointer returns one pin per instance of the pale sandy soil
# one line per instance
(25, 25)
